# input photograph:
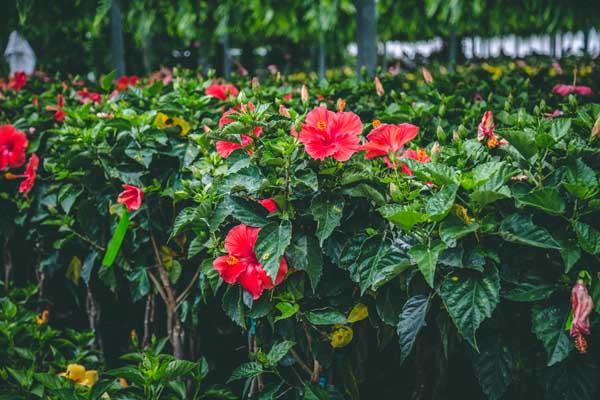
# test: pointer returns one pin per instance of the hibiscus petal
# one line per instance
(225, 148)
(240, 241)
(229, 268)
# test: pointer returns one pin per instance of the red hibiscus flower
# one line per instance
(288, 96)
(485, 130)
(328, 134)
(582, 305)
(269, 204)
(565, 90)
(221, 92)
(89, 97)
(131, 197)
(29, 175)
(224, 147)
(124, 82)
(419, 155)
(17, 81)
(388, 141)
(241, 265)
(12, 147)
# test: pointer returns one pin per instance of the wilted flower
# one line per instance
(519, 177)
(59, 114)
(163, 121)
(131, 197)
(553, 114)
(328, 134)
(89, 97)
(341, 105)
(255, 83)
(42, 318)
(164, 74)
(341, 336)
(582, 305)
(485, 130)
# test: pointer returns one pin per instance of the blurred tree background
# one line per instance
(81, 36)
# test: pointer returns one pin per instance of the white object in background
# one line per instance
(19, 54)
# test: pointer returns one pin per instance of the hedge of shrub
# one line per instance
(425, 235)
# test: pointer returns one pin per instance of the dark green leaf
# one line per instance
(412, 319)
(493, 367)
(520, 229)
(426, 257)
(328, 215)
(270, 246)
(548, 326)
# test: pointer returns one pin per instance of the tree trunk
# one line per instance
(116, 38)
(473, 50)
(453, 48)
(94, 314)
(8, 264)
(147, 54)
(226, 59)
(553, 45)
(322, 56)
(586, 41)
(517, 46)
(366, 36)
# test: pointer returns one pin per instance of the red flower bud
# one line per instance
(582, 305)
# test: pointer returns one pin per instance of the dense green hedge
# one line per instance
(419, 238)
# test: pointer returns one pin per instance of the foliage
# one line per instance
(464, 262)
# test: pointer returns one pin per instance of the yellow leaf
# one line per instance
(341, 336)
(358, 313)
(74, 270)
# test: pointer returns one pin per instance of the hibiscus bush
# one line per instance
(428, 234)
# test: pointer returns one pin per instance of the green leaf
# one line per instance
(278, 351)
(247, 370)
(270, 246)
(305, 254)
(402, 216)
(546, 199)
(581, 180)
(547, 325)
(452, 229)
(570, 253)
(412, 319)
(328, 215)
(575, 379)
(470, 299)
(588, 237)
(114, 245)
(493, 367)
(426, 257)
(373, 263)
(531, 288)
(325, 316)
(67, 195)
(287, 310)
(440, 203)
(249, 179)
(178, 369)
(523, 141)
(520, 229)
(233, 305)
(106, 81)
(246, 211)
(140, 284)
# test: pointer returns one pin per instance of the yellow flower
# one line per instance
(358, 313)
(585, 70)
(496, 72)
(90, 379)
(163, 121)
(75, 372)
(42, 319)
(182, 124)
(123, 382)
(376, 123)
(341, 336)
(78, 374)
